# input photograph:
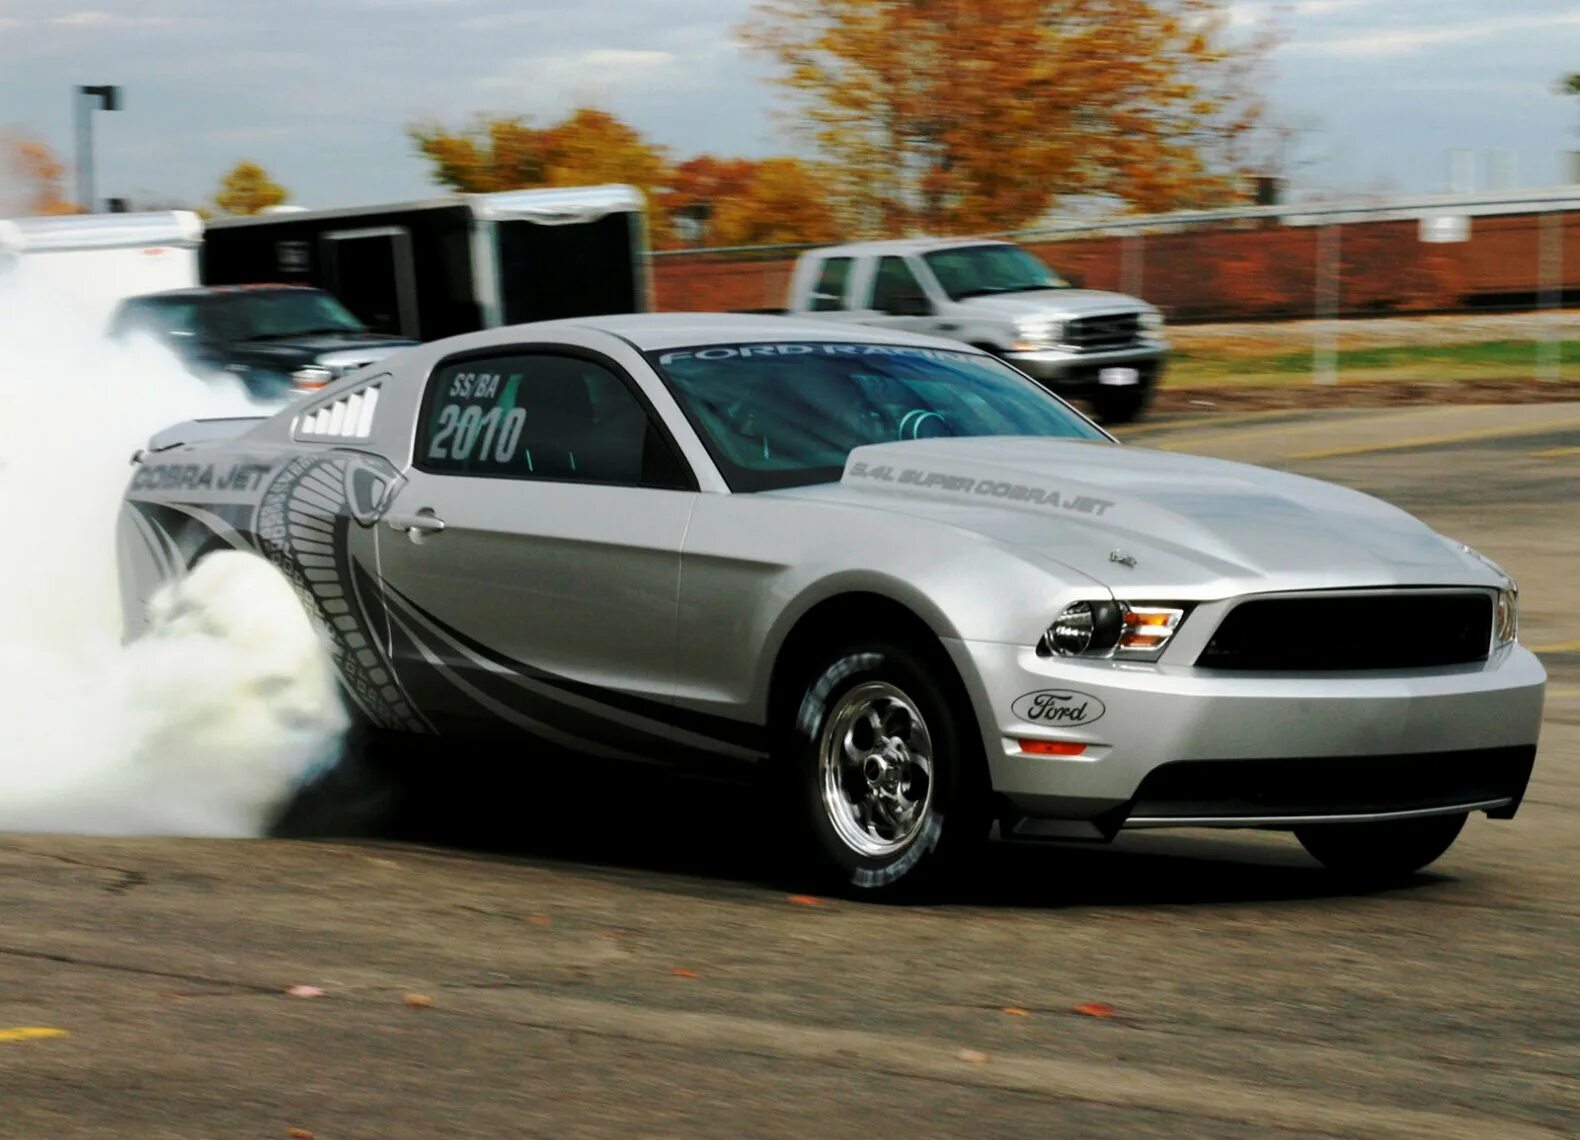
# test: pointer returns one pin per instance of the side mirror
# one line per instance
(909, 305)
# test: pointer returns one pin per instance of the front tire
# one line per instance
(1381, 851)
(885, 769)
(1121, 405)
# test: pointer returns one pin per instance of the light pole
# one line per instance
(90, 99)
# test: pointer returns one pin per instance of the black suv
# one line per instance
(276, 339)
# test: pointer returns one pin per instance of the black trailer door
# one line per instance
(570, 269)
(373, 273)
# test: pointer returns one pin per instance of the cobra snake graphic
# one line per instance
(303, 527)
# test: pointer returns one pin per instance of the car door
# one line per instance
(531, 559)
(830, 296)
(896, 299)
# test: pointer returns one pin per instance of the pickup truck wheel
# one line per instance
(1121, 405)
(1380, 851)
(884, 766)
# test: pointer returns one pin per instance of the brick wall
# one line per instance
(1244, 270)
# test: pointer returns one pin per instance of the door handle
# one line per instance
(418, 526)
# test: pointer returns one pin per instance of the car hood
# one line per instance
(1058, 303)
(1155, 524)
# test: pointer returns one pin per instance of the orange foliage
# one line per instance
(772, 201)
(247, 189)
(30, 163)
(586, 148)
(960, 116)
(734, 201)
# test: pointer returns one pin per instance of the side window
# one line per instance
(829, 292)
(162, 318)
(892, 281)
(542, 416)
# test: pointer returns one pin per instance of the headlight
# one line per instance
(311, 378)
(1151, 321)
(1084, 627)
(1031, 335)
(1109, 629)
(1506, 618)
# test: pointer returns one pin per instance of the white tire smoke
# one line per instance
(210, 723)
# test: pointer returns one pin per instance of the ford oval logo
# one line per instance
(1059, 706)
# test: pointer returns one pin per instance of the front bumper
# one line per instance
(1066, 368)
(1178, 746)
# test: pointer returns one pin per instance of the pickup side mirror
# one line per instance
(909, 305)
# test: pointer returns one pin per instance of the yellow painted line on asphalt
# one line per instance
(1437, 440)
(30, 1033)
(1555, 453)
(1207, 420)
(1557, 647)
(1309, 425)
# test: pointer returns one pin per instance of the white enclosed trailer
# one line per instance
(93, 261)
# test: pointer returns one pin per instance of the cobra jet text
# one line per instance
(200, 477)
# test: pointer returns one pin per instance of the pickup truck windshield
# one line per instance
(977, 270)
(785, 414)
(261, 315)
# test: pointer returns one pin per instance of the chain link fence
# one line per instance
(1435, 287)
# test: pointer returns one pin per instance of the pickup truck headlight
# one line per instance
(1030, 335)
(1151, 321)
(1110, 629)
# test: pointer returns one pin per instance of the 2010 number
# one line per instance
(460, 429)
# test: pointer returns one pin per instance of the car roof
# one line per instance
(658, 331)
(904, 245)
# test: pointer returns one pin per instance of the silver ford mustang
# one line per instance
(918, 592)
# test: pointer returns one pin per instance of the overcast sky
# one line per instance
(320, 91)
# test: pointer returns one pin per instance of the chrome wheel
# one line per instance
(877, 769)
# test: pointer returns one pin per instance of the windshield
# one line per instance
(976, 270)
(270, 315)
(786, 414)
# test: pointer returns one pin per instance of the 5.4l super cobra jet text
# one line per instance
(988, 488)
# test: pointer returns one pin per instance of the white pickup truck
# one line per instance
(1105, 347)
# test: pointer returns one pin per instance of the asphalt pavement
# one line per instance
(618, 953)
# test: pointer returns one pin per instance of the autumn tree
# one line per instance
(735, 201)
(586, 148)
(769, 201)
(955, 115)
(33, 176)
(248, 189)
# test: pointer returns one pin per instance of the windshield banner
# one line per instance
(815, 348)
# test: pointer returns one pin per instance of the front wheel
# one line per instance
(1381, 851)
(885, 769)
(1121, 405)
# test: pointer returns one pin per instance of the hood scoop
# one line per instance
(1111, 508)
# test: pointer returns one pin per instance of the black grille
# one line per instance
(1383, 631)
(1094, 334)
(1337, 785)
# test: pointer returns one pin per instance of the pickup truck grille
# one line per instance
(1373, 631)
(1098, 334)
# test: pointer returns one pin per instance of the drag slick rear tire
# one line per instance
(1380, 851)
(884, 769)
